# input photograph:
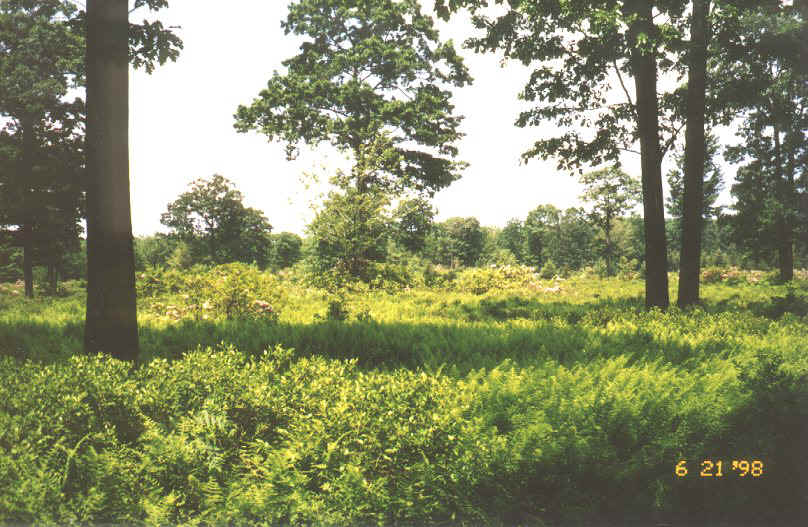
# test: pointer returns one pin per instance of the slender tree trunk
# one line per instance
(785, 240)
(609, 255)
(695, 153)
(644, 69)
(789, 212)
(27, 229)
(111, 323)
(27, 260)
(53, 278)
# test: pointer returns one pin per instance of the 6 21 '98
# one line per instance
(715, 468)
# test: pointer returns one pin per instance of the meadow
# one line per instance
(473, 397)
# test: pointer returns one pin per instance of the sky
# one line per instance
(181, 125)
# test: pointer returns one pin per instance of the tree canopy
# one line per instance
(368, 66)
(611, 193)
(219, 228)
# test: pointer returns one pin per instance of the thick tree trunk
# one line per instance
(27, 169)
(695, 153)
(644, 69)
(111, 323)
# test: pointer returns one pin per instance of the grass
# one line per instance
(522, 405)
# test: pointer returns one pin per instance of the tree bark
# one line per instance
(53, 278)
(111, 320)
(607, 230)
(644, 69)
(695, 153)
(785, 229)
(26, 229)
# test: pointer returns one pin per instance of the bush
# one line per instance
(548, 270)
(732, 276)
(482, 280)
(229, 291)
(438, 277)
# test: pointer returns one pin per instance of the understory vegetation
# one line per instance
(480, 396)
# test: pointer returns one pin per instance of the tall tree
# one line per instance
(765, 78)
(581, 46)
(111, 319)
(695, 155)
(39, 53)
(612, 193)
(368, 66)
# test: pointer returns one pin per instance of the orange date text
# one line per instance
(717, 468)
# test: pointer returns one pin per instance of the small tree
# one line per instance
(512, 238)
(212, 219)
(286, 249)
(350, 233)
(541, 234)
(413, 219)
(576, 240)
(611, 192)
(712, 187)
(468, 237)
(153, 250)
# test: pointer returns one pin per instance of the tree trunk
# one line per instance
(785, 241)
(607, 230)
(644, 69)
(27, 260)
(27, 169)
(53, 278)
(695, 153)
(111, 322)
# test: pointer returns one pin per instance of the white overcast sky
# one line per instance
(181, 125)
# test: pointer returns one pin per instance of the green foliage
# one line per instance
(499, 257)
(412, 222)
(155, 251)
(541, 234)
(731, 275)
(286, 249)
(500, 399)
(548, 270)
(456, 241)
(713, 184)
(482, 280)
(611, 193)
(364, 68)
(228, 291)
(350, 233)
(10, 264)
(217, 227)
(512, 238)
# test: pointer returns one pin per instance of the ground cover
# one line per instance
(528, 401)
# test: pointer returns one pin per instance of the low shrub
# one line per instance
(229, 291)
(482, 280)
(732, 276)
(548, 270)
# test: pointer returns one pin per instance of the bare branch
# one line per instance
(623, 84)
